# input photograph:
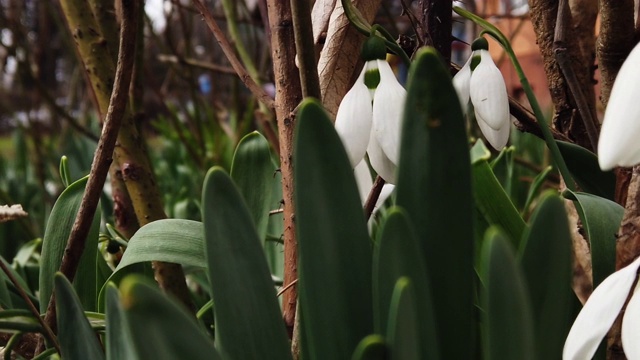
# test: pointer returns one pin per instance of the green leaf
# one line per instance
(118, 341)
(55, 239)
(253, 172)
(18, 320)
(159, 327)
(77, 338)
(85, 281)
(398, 255)
(583, 165)
(434, 186)
(170, 240)
(545, 257)
(372, 347)
(332, 240)
(601, 218)
(507, 321)
(404, 339)
(535, 187)
(247, 315)
(493, 202)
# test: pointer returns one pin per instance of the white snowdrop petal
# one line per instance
(379, 161)
(388, 106)
(599, 313)
(631, 327)
(354, 119)
(488, 92)
(363, 180)
(497, 138)
(461, 84)
(619, 143)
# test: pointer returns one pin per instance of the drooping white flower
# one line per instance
(481, 83)
(619, 143)
(370, 114)
(599, 313)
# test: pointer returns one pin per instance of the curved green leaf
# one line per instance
(333, 244)
(170, 240)
(583, 165)
(55, 239)
(434, 186)
(404, 339)
(372, 347)
(247, 315)
(545, 256)
(118, 341)
(601, 219)
(507, 320)
(252, 171)
(77, 338)
(159, 327)
(398, 255)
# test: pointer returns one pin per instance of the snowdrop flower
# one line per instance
(481, 82)
(369, 116)
(619, 143)
(599, 313)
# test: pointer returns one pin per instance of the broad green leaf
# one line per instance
(601, 219)
(253, 172)
(372, 347)
(583, 165)
(18, 320)
(118, 342)
(403, 335)
(77, 338)
(247, 316)
(535, 187)
(334, 248)
(434, 186)
(159, 327)
(171, 240)
(493, 202)
(85, 282)
(398, 255)
(507, 321)
(55, 239)
(545, 257)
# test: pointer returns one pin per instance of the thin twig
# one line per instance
(173, 59)
(47, 330)
(104, 153)
(372, 199)
(285, 288)
(248, 81)
(560, 51)
(301, 15)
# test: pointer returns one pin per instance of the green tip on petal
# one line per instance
(372, 78)
(374, 48)
(480, 44)
(475, 61)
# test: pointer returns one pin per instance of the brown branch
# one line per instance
(436, 22)
(372, 199)
(248, 81)
(288, 95)
(587, 112)
(301, 14)
(173, 59)
(103, 155)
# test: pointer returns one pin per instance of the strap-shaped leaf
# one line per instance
(601, 218)
(434, 186)
(252, 171)
(77, 338)
(507, 320)
(372, 347)
(160, 328)
(334, 246)
(119, 343)
(398, 255)
(402, 332)
(545, 257)
(55, 239)
(583, 165)
(247, 316)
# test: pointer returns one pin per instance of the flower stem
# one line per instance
(544, 127)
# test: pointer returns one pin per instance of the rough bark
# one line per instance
(436, 22)
(566, 120)
(288, 95)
